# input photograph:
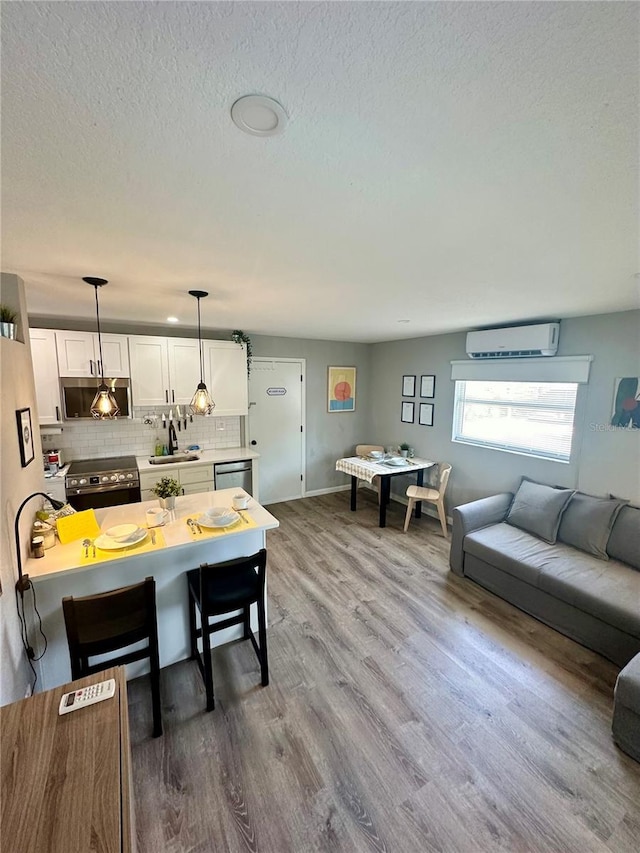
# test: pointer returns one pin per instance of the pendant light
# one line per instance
(201, 404)
(104, 403)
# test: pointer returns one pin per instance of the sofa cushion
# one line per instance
(624, 542)
(609, 590)
(587, 522)
(538, 509)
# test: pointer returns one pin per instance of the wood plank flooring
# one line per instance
(408, 711)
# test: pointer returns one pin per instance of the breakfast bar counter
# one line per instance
(76, 569)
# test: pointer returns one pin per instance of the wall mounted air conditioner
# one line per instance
(514, 342)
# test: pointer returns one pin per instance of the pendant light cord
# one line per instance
(200, 345)
(99, 335)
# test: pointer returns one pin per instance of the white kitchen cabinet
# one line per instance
(197, 478)
(45, 374)
(225, 374)
(164, 371)
(79, 354)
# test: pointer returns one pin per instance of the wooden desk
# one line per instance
(66, 781)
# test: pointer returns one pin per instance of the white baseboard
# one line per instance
(427, 509)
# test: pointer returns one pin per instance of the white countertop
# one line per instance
(206, 457)
(62, 559)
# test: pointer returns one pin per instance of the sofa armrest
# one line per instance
(473, 516)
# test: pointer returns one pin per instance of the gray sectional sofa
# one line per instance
(569, 559)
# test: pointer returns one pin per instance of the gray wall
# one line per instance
(602, 460)
(16, 483)
(329, 436)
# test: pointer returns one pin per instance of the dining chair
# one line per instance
(432, 496)
(365, 450)
(215, 589)
(108, 621)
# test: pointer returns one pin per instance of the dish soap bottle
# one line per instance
(158, 450)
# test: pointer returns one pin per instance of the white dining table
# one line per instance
(364, 468)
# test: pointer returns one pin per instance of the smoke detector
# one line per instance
(259, 115)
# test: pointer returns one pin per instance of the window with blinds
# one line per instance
(533, 418)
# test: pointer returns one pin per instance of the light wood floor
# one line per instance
(408, 711)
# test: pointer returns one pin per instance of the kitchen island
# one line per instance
(70, 570)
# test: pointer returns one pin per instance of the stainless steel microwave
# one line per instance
(77, 396)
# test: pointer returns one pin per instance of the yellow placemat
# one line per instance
(128, 551)
(245, 522)
(80, 525)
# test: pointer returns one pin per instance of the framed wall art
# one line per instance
(341, 389)
(626, 403)
(25, 436)
(425, 416)
(407, 413)
(408, 386)
(427, 386)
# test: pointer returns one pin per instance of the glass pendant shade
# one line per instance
(104, 404)
(201, 403)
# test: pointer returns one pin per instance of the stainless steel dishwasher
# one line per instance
(233, 475)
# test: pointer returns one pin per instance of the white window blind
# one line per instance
(534, 418)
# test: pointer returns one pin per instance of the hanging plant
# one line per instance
(240, 338)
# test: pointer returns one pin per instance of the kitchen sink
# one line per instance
(177, 457)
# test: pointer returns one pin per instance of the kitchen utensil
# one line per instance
(85, 545)
(246, 520)
(106, 543)
(122, 532)
(155, 517)
(192, 527)
(153, 536)
(164, 421)
(94, 549)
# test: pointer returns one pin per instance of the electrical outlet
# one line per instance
(27, 692)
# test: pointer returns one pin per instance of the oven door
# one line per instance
(103, 496)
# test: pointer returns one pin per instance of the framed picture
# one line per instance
(25, 436)
(626, 403)
(407, 413)
(408, 386)
(426, 414)
(341, 389)
(427, 386)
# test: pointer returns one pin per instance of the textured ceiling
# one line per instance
(449, 164)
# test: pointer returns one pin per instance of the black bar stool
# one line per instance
(218, 588)
(102, 623)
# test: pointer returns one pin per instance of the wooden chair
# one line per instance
(102, 623)
(365, 450)
(219, 588)
(432, 496)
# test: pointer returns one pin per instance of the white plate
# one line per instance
(222, 521)
(396, 462)
(123, 532)
(106, 543)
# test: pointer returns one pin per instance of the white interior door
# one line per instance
(276, 426)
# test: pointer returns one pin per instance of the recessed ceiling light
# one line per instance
(259, 115)
(172, 320)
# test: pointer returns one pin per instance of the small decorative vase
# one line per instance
(8, 330)
(168, 503)
(404, 453)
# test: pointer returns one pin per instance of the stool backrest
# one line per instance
(218, 581)
(98, 624)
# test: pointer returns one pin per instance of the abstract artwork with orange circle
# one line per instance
(341, 386)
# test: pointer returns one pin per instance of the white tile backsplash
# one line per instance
(97, 439)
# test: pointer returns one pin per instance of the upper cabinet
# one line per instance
(45, 372)
(79, 354)
(225, 374)
(163, 370)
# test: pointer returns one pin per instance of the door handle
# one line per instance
(91, 370)
(254, 441)
(166, 396)
(57, 413)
